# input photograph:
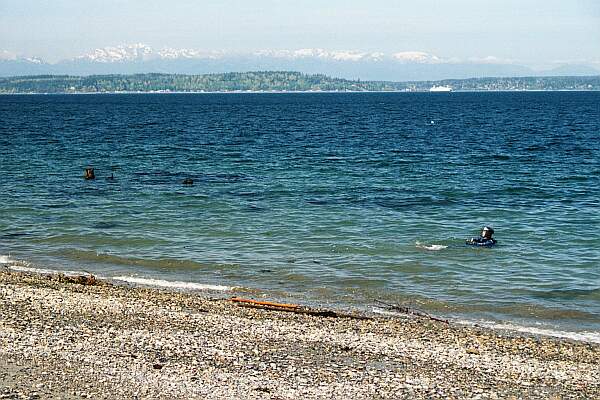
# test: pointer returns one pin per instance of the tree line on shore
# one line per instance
(260, 81)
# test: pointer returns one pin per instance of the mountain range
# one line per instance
(401, 66)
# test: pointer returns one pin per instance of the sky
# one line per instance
(527, 32)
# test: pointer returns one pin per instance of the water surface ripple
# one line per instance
(321, 198)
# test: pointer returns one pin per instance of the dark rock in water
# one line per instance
(89, 174)
(188, 181)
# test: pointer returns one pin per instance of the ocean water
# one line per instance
(340, 200)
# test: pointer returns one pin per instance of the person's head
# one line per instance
(487, 232)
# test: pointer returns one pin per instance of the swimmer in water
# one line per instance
(485, 239)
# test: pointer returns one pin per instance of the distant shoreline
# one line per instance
(278, 82)
(302, 92)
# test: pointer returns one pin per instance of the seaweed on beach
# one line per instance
(86, 280)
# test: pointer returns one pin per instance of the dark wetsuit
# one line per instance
(481, 241)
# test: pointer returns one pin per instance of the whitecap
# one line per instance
(430, 247)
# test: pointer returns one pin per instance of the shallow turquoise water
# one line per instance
(337, 199)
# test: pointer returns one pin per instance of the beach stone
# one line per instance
(101, 340)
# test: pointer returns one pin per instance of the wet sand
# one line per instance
(70, 341)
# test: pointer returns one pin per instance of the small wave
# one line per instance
(114, 259)
(535, 147)
(21, 266)
(12, 263)
(172, 284)
(106, 225)
(388, 313)
(591, 294)
(573, 178)
(584, 336)
(318, 202)
(430, 247)
(12, 235)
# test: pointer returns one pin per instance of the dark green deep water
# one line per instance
(336, 199)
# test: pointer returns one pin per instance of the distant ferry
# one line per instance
(440, 89)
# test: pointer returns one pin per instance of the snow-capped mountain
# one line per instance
(174, 54)
(320, 54)
(140, 52)
(123, 53)
(9, 56)
(351, 64)
(143, 52)
(418, 57)
(12, 64)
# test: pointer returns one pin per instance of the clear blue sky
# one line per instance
(532, 32)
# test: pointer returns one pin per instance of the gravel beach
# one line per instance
(69, 341)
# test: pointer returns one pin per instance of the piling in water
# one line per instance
(89, 174)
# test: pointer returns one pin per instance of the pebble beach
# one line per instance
(66, 340)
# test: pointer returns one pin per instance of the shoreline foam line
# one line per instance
(25, 266)
(583, 336)
(172, 284)
(4, 259)
(46, 271)
(20, 266)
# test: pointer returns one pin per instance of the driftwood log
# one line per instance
(293, 308)
(411, 311)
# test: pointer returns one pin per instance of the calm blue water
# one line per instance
(336, 199)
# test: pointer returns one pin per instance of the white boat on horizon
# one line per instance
(440, 89)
